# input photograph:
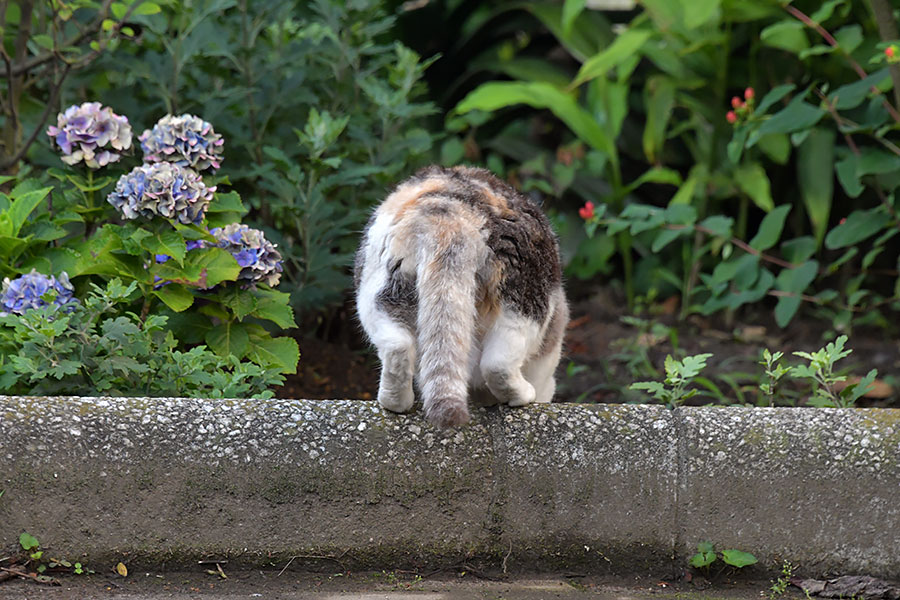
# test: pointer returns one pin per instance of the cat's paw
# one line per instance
(397, 402)
(524, 395)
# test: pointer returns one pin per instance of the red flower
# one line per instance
(736, 102)
(890, 51)
(749, 94)
(586, 211)
(731, 117)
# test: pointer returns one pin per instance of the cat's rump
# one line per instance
(459, 287)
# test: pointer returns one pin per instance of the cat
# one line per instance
(459, 287)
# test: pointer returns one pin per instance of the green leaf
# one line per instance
(588, 33)
(281, 352)
(496, 95)
(699, 12)
(217, 264)
(692, 365)
(774, 95)
(228, 339)
(824, 12)
(814, 157)
(752, 179)
(794, 281)
(43, 40)
(846, 171)
(776, 146)
(666, 236)
(737, 558)
(702, 559)
(770, 228)
(175, 296)
(659, 98)
(855, 392)
(168, 242)
(797, 115)
(147, 8)
(242, 302)
(798, 249)
(853, 94)
(860, 225)
(28, 541)
(571, 10)
(787, 35)
(718, 225)
(624, 47)
(227, 202)
(655, 175)
(21, 207)
(275, 306)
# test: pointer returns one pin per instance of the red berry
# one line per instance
(890, 51)
(749, 94)
(586, 211)
(731, 117)
(736, 102)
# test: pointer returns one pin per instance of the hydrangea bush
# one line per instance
(185, 140)
(91, 133)
(162, 189)
(27, 292)
(203, 280)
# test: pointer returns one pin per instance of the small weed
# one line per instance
(706, 556)
(679, 374)
(820, 371)
(780, 585)
(35, 556)
(774, 372)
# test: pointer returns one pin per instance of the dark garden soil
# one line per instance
(388, 585)
(606, 350)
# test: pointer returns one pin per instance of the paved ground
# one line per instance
(367, 586)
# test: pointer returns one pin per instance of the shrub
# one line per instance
(178, 274)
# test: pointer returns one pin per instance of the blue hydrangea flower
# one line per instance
(259, 260)
(187, 140)
(163, 189)
(90, 133)
(24, 293)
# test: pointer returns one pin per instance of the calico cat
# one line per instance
(458, 286)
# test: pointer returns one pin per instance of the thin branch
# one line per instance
(740, 244)
(837, 120)
(801, 16)
(90, 29)
(51, 104)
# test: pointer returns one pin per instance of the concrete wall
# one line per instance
(583, 488)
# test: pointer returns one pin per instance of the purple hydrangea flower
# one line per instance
(90, 133)
(187, 140)
(259, 260)
(24, 293)
(163, 189)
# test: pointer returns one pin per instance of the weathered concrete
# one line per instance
(592, 488)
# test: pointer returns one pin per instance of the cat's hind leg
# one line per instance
(386, 304)
(506, 347)
(540, 369)
(397, 352)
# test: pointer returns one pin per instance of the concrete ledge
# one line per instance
(590, 488)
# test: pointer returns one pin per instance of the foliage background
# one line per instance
(325, 104)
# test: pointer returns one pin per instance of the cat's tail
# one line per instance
(446, 285)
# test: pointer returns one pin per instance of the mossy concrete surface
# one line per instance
(342, 484)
